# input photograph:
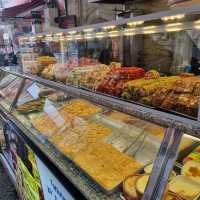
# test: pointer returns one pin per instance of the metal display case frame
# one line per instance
(175, 125)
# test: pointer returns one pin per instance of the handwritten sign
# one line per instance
(52, 188)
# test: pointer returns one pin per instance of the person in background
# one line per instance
(105, 57)
(195, 66)
(6, 60)
(2, 56)
(43, 49)
(14, 59)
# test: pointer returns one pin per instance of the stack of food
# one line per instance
(180, 187)
(92, 79)
(58, 71)
(178, 93)
(80, 108)
(44, 61)
(48, 72)
(144, 88)
(84, 61)
(184, 97)
(86, 76)
(50, 123)
(114, 81)
(31, 106)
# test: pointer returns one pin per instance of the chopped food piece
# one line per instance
(191, 169)
(141, 183)
(185, 187)
(129, 188)
(105, 164)
(31, 106)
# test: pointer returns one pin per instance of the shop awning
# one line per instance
(16, 10)
(110, 1)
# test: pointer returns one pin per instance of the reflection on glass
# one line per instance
(107, 145)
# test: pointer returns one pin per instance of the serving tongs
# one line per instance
(137, 144)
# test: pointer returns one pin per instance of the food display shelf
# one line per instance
(184, 124)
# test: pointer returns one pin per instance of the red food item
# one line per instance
(84, 61)
(114, 81)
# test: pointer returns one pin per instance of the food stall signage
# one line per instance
(52, 188)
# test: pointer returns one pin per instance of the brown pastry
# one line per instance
(185, 85)
(196, 91)
(170, 101)
(182, 103)
(159, 96)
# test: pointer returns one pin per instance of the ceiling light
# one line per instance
(87, 30)
(109, 27)
(168, 18)
(72, 32)
(100, 35)
(59, 34)
(135, 23)
(113, 33)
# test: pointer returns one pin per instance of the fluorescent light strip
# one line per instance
(135, 23)
(174, 25)
(49, 35)
(197, 22)
(88, 36)
(100, 35)
(72, 32)
(88, 30)
(149, 27)
(109, 27)
(167, 18)
(59, 34)
(78, 37)
(149, 31)
(173, 29)
(196, 26)
(129, 33)
(61, 39)
(113, 33)
(70, 38)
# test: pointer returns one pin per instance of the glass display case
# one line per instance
(113, 106)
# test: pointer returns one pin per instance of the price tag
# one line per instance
(34, 91)
(53, 113)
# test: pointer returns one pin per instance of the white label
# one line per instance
(34, 91)
(52, 188)
(53, 113)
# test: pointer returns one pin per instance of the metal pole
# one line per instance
(66, 7)
(163, 165)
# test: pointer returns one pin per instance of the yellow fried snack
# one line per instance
(107, 166)
(49, 125)
(75, 138)
(80, 108)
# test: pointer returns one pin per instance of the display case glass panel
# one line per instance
(108, 146)
(184, 179)
(9, 86)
